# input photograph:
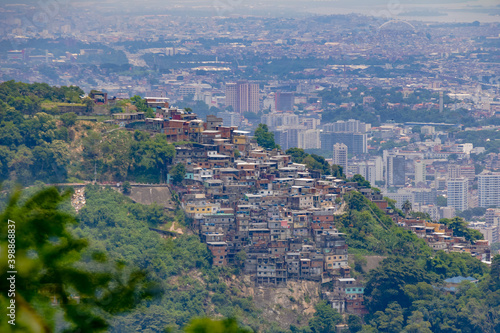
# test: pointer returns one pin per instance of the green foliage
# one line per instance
(369, 230)
(178, 173)
(386, 283)
(362, 182)
(459, 227)
(356, 201)
(264, 138)
(486, 138)
(421, 215)
(391, 320)
(240, 258)
(469, 214)
(359, 262)
(207, 325)
(406, 207)
(316, 162)
(337, 171)
(126, 187)
(27, 98)
(297, 154)
(50, 265)
(414, 285)
(355, 324)
(312, 161)
(182, 266)
(380, 112)
(68, 119)
(325, 318)
(30, 149)
(116, 109)
(442, 201)
(455, 264)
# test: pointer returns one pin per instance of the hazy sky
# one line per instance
(432, 10)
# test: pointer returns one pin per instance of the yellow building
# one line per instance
(240, 139)
(202, 209)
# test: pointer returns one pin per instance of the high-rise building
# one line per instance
(453, 171)
(420, 171)
(379, 169)
(489, 190)
(356, 142)
(287, 137)
(284, 101)
(396, 171)
(243, 96)
(308, 139)
(230, 118)
(274, 120)
(458, 193)
(359, 143)
(340, 155)
(366, 169)
(350, 126)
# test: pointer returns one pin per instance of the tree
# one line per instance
(362, 182)
(116, 109)
(207, 325)
(68, 119)
(355, 323)
(494, 279)
(356, 201)
(416, 324)
(391, 320)
(442, 201)
(89, 103)
(459, 227)
(48, 260)
(316, 162)
(126, 187)
(325, 318)
(297, 154)
(337, 171)
(178, 173)
(359, 262)
(240, 258)
(386, 283)
(265, 139)
(406, 208)
(416, 129)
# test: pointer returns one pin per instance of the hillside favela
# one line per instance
(222, 166)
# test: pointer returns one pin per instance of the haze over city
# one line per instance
(228, 166)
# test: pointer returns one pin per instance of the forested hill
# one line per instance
(55, 148)
(405, 293)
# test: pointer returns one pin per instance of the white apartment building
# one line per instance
(420, 171)
(309, 139)
(458, 193)
(489, 189)
(340, 155)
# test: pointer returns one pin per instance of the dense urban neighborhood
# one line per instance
(236, 167)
